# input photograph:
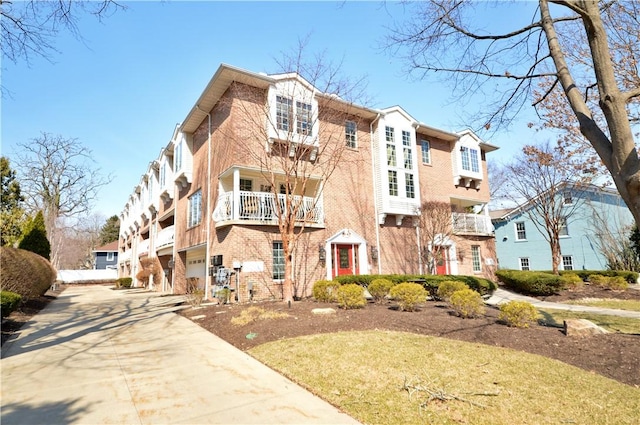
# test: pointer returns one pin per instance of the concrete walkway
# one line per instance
(501, 296)
(99, 356)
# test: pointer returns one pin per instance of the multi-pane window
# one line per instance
(284, 108)
(426, 152)
(469, 159)
(406, 148)
(163, 174)
(564, 229)
(567, 262)
(524, 263)
(194, 215)
(177, 157)
(303, 118)
(409, 186)
(246, 185)
(393, 183)
(391, 155)
(475, 258)
(389, 134)
(350, 134)
(278, 260)
(568, 198)
(521, 231)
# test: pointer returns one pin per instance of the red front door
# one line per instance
(345, 260)
(442, 261)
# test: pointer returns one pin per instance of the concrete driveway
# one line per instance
(99, 356)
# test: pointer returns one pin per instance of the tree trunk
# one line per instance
(287, 285)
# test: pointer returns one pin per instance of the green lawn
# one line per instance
(633, 305)
(382, 377)
(624, 325)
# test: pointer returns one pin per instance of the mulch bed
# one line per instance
(615, 356)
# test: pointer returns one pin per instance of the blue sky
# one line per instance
(122, 88)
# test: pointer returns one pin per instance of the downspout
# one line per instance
(418, 225)
(375, 195)
(207, 260)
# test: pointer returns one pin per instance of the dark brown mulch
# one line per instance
(616, 356)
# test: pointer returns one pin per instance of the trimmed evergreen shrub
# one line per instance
(518, 313)
(379, 289)
(25, 273)
(9, 302)
(448, 287)
(325, 291)
(124, 282)
(530, 282)
(609, 282)
(351, 296)
(428, 281)
(467, 303)
(34, 237)
(572, 281)
(629, 276)
(408, 295)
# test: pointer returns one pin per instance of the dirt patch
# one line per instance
(615, 356)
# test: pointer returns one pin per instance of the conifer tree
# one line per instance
(35, 237)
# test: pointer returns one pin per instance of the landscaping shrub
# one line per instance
(34, 237)
(324, 291)
(379, 289)
(351, 296)
(9, 302)
(629, 276)
(609, 282)
(448, 287)
(518, 313)
(572, 281)
(195, 294)
(467, 303)
(25, 273)
(530, 282)
(428, 281)
(124, 282)
(408, 295)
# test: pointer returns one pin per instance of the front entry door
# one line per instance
(442, 260)
(345, 260)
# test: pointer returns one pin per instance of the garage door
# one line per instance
(197, 265)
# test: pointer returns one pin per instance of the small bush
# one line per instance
(379, 289)
(572, 281)
(124, 282)
(615, 283)
(223, 295)
(518, 313)
(25, 273)
(467, 303)
(9, 302)
(324, 291)
(531, 282)
(408, 295)
(448, 287)
(351, 296)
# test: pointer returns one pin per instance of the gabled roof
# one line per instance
(110, 247)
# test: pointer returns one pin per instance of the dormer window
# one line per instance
(304, 118)
(469, 159)
(284, 112)
(177, 157)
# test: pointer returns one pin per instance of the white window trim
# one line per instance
(515, 225)
(426, 143)
(110, 256)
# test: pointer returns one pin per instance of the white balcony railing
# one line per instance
(261, 206)
(124, 257)
(165, 237)
(474, 224)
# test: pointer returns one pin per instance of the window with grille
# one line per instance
(564, 229)
(521, 231)
(246, 185)
(393, 183)
(284, 106)
(350, 134)
(524, 263)
(194, 215)
(304, 118)
(426, 152)
(391, 155)
(278, 260)
(409, 186)
(469, 159)
(567, 262)
(475, 258)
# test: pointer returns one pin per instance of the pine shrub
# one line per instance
(124, 282)
(25, 273)
(448, 287)
(408, 295)
(324, 291)
(379, 289)
(34, 237)
(467, 303)
(572, 281)
(9, 302)
(350, 296)
(518, 313)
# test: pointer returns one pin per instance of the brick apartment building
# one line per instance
(254, 145)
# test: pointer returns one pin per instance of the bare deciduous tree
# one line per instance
(314, 103)
(449, 38)
(545, 184)
(59, 177)
(435, 225)
(29, 27)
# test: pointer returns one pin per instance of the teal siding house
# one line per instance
(520, 245)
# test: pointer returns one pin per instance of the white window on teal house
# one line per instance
(278, 260)
(350, 134)
(284, 110)
(194, 215)
(425, 147)
(568, 198)
(521, 231)
(475, 258)
(524, 263)
(567, 262)
(469, 159)
(304, 118)
(409, 185)
(393, 183)
(564, 229)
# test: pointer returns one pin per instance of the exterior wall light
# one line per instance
(322, 254)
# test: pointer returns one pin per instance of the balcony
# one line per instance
(472, 224)
(124, 257)
(165, 237)
(261, 208)
(143, 248)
